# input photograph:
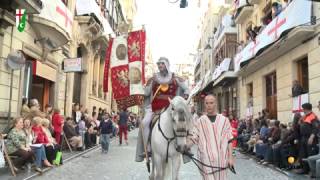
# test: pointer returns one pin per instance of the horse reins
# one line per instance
(197, 162)
(168, 140)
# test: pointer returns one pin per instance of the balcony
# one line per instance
(31, 6)
(91, 8)
(53, 25)
(281, 35)
(226, 27)
(6, 19)
(243, 13)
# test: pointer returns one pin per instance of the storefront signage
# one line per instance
(72, 65)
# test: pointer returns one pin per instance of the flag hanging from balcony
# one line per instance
(298, 101)
(126, 57)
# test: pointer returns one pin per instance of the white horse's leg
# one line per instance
(176, 162)
(158, 163)
(152, 169)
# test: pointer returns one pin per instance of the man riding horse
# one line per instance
(159, 88)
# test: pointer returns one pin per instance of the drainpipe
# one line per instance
(11, 82)
(65, 95)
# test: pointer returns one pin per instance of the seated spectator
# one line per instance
(245, 135)
(35, 110)
(39, 151)
(17, 145)
(309, 128)
(91, 134)
(25, 110)
(264, 150)
(70, 132)
(57, 123)
(55, 148)
(275, 156)
(40, 137)
(259, 137)
(289, 144)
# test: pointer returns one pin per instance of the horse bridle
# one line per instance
(169, 140)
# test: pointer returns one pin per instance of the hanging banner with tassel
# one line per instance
(126, 56)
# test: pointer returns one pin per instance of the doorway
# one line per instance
(41, 89)
(271, 94)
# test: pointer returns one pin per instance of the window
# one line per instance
(250, 94)
(271, 85)
(303, 74)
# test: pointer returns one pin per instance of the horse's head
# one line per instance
(181, 118)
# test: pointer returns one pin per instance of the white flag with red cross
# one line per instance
(298, 101)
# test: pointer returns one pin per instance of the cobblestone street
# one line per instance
(119, 164)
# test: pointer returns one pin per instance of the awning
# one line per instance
(226, 76)
(85, 7)
(54, 23)
(298, 13)
(196, 89)
(224, 66)
(44, 71)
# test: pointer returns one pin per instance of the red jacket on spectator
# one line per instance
(40, 135)
(57, 122)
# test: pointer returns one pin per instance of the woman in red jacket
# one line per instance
(57, 123)
(40, 137)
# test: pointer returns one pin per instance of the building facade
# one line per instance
(44, 43)
(56, 31)
(216, 49)
(283, 47)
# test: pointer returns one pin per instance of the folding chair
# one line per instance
(64, 139)
(7, 157)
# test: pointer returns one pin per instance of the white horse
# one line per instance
(169, 135)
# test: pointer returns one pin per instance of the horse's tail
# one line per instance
(167, 169)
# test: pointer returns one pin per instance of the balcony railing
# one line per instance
(85, 7)
(227, 26)
(244, 11)
(298, 13)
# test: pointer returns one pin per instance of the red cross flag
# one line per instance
(298, 101)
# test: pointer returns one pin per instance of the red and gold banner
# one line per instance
(126, 55)
(107, 66)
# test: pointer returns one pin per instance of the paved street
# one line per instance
(119, 165)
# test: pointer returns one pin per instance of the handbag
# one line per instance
(2, 161)
(58, 158)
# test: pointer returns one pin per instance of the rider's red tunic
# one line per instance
(161, 100)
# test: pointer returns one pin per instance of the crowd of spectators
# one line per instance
(287, 146)
(254, 30)
(37, 138)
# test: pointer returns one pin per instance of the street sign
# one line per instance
(72, 65)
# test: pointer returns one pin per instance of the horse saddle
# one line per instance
(155, 117)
